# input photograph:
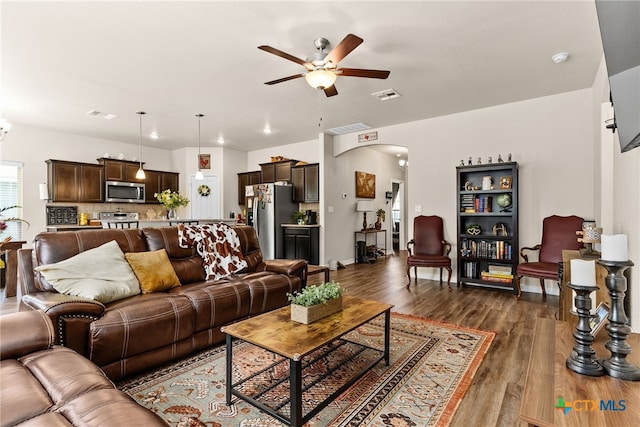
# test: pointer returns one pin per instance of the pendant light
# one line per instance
(199, 176)
(140, 174)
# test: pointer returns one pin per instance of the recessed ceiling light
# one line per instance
(154, 135)
(267, 130)
(221, 140)
(560, 57)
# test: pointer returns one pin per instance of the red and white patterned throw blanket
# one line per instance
(217, 244)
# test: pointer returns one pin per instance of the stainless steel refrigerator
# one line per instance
(269, 206)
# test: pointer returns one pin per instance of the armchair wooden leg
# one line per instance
(517, 284)
(441, 275)
(448, 278)
(409, 276)
(544, 291)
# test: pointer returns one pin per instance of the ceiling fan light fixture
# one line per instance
(321, 79)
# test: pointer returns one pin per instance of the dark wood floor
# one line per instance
(494, 396)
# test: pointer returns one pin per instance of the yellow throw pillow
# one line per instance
(153, 270)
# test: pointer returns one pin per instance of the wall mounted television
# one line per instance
(620, 32)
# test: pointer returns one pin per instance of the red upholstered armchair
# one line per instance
(558, 233)
(429, 247)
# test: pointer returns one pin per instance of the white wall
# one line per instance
(551, 138)
(308, 151)
(341, 224)
(234, 161)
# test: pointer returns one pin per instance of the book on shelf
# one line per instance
(492, 278)
(500, 269)
(485, 249)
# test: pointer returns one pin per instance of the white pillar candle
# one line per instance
(583, 272)
(614, 247)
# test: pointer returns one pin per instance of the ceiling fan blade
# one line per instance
(359, 72)
(343, 48)
(284, 79)
(331, 91)
(285, 55)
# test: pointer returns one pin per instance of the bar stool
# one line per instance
(176, 222)
(122, 224)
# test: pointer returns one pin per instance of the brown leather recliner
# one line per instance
(429, 247)
(48, 385)
(558, 234)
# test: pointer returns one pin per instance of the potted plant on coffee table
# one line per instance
(315, 302)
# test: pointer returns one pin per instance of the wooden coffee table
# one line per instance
(277, 333)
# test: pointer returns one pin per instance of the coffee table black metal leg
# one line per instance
(295, 385)
(387, 330)
(229, 366)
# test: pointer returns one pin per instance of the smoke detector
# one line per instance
(560, 57)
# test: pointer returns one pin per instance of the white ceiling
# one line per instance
(174, 59)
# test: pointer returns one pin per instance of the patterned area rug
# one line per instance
(432, 365)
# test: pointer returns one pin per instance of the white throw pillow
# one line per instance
(102, 274)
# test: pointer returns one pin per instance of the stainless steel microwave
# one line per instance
(124, 192)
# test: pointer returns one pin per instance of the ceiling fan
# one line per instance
(322, 68)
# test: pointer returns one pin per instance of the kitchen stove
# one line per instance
(119, 216)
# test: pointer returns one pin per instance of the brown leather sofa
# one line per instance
(48, 385)
(137, 333)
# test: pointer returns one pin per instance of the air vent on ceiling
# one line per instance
(341, 130)
(386, 94)
(96, 113)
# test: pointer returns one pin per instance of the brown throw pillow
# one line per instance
(153, 270)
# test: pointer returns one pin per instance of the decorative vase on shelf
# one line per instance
(172, 214)
(378, 224)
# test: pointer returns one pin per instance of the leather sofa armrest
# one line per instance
(291, 267)
(26, 278)
(24, 332)
(71, 316)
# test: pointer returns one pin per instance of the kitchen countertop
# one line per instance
(67, 227)
(300, 225)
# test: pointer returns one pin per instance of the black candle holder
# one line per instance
(582, 359)
(617, 365)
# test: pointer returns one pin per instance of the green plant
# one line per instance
(171, 199)
(380, 213)
(316, 294)
(297, 216)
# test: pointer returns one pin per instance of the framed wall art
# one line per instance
(204, 160)
(365, 185)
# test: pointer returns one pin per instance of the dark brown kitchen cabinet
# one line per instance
(157, 181)
(169, 180)
(306, 183)
(302, 243)
(75, 182)
(277, 171)
(244, 179)
(152, 185)
(120, 170)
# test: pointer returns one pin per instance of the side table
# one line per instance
(361, 255)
